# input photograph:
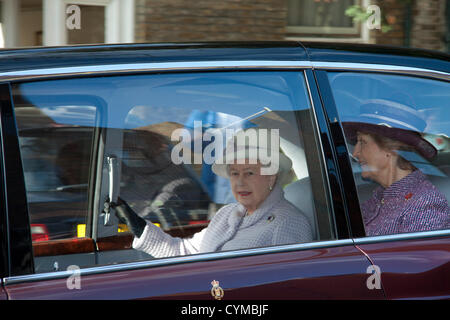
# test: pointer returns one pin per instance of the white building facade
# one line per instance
(26, 23)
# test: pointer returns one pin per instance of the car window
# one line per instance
(151, 140)
(397, 131)
(174, 125)
(55, 137)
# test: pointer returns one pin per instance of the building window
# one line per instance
(321, 18)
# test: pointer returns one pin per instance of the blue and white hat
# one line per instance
(392, 120)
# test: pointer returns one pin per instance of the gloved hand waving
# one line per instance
(126, 215)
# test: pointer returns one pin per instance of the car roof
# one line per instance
(378, 54)
(103, 54)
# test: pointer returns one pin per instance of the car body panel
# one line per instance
(412, 269)
(59, 57)
(377, 54)
(333, 272)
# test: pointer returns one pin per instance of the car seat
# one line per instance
(441, 182)
(299, 193)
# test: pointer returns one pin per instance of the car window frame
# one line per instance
(52, 249)
(111, 242)
(322, 69)
(15, 208)
(322, 133)
(4, 230)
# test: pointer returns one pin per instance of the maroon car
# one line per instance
(82, 125)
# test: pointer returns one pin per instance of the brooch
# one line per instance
(408, 196)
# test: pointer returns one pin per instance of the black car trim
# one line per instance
(19, 234)
(4, 225)
(329, 153)
(344, 167)
(341, 230)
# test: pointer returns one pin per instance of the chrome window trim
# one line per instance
(152, 66)
(372, 67)
(217, 65)
(178, 260)
(402, 236)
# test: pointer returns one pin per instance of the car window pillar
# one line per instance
(348, 201)
(14, 204)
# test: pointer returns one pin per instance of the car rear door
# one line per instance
(285, 99)
(411, 265)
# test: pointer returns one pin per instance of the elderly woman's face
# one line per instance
(375, 162)
(249, 187)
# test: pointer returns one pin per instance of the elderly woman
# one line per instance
(405, 201)
(261, 216)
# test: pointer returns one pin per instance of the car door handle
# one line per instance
(113, 177)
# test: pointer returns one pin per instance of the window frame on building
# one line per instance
(357, 33)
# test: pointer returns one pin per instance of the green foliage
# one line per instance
(360, 15)
(357, 13)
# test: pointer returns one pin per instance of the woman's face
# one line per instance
(376, 163)
(249, 187)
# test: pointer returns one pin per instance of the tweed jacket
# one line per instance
(409, 205)
(275, 222)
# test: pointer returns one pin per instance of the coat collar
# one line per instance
(262, 212)
(401, 189)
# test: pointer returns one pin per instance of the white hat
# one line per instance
(261, 145)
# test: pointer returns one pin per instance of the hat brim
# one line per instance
(220, 166)
(409, 137)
